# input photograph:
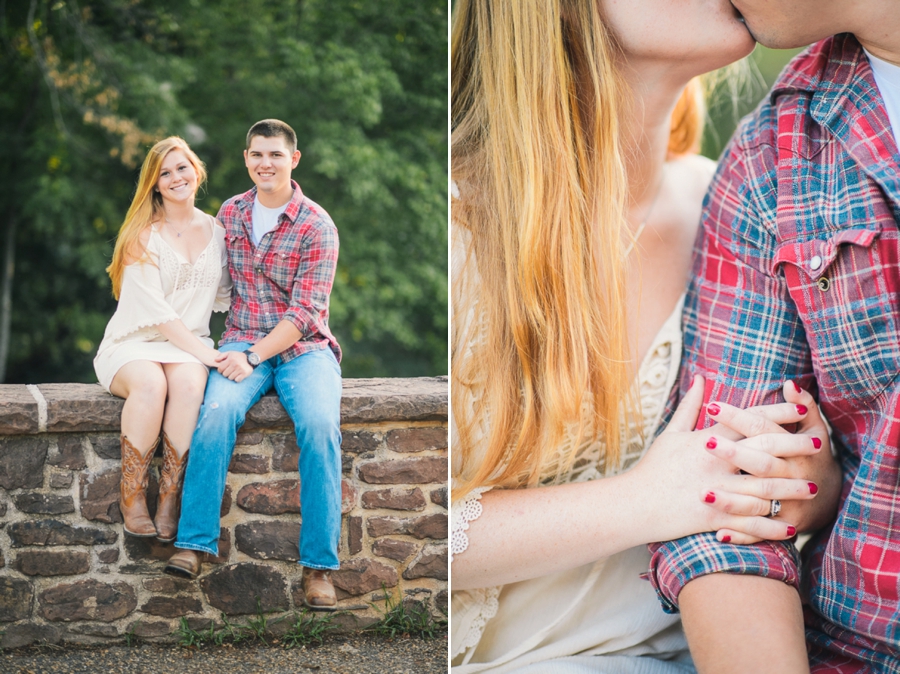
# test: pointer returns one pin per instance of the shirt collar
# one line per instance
(292, 210)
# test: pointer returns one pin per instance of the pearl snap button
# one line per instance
(815, 263)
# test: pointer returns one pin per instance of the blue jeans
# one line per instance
(309, 388)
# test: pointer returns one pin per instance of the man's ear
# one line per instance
(295, 159)
(245, 159)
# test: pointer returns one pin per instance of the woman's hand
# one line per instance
(210, 358)
(760, 457)
(687, 478)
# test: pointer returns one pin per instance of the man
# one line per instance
(282, 252)
(797, 276)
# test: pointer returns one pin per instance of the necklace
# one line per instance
(183, 230)
(640, 227)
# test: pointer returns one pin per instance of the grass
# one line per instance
(308, 629)
(406, 618)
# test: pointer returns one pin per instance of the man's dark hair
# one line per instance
(272, 128)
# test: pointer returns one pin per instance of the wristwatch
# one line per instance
(252, 358)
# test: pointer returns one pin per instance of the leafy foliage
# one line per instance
(86, 87)
(406, 618)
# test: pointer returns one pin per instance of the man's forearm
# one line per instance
(283, 335)
(741, 623)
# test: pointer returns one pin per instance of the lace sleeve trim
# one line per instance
(461, 514)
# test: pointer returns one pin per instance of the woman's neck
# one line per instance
(178, 212)
(645, 134)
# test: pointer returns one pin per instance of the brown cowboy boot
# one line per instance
(318, 590)
(133, 491)
(170, 481)
(184, 564)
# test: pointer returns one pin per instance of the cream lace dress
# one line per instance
(163, 289)
(561, 622)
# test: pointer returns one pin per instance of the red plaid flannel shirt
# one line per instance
(797, 276)
(287, 277)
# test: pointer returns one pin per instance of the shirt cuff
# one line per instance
(673, 564)
(301, 320)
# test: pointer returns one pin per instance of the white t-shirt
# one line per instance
(887, 77)
(265, 219)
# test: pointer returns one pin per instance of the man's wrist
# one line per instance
(253, 358)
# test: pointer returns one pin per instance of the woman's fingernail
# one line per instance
(813, 488)
(713, 409)
(797, 387)
(726, 538)
(791, 531)
(817, 443)
(801, 409)
(710, 497)
(711, 443)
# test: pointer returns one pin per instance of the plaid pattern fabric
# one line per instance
(287, 277)
(796, 276)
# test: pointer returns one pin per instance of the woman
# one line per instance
(577, 201)
(169, 274)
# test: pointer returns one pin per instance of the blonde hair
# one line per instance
(536, 103)
(146, 206)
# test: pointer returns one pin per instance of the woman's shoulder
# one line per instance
(143, 245)
(694, 172)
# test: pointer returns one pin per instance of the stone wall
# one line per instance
(68, 573)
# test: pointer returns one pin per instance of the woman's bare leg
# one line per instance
(143, 385)
(186, 384)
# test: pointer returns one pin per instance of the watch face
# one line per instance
(253, 358)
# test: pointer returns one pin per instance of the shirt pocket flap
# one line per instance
(815, 256)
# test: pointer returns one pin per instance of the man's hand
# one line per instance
(234, 365)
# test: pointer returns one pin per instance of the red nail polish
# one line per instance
(801, 409)
(713, 409)
(817, 443)
(726, 538)
(710, 497)
(791, 530)
(797, 387)
(813, 488)
(711, 443)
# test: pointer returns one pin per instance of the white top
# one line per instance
(158, 290)
(887, 77)
(604, 608)
(265, 219)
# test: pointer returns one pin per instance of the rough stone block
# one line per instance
(394, 499)
(249, 463)
(15, 599)
(346, 464)
(107, 445)
(94, 630)
(440, 601)
(52, 562)
(81, 407)
(25, 634)
(224, 547)
(439, 497)
(172, 607)
(427, 526)
(87, 600)
(144, 549)
(54, 532)
(3, 509)
(405, 471)
(108, 556)
(22, 462)
(416, 439)
(248, 439)
(414, 399)
(168, 584)
(69, 453)
(432, 562)
(285, 452)
(394, 549)
(349, 495)
(18, 411)
(270, 498)
(100, 496)
(234, 589)
(61, 480)
(356, 442)
(268, 540)
(359, 576)
(354, 535)
(150, 628)
(36, 503)
(226, 502)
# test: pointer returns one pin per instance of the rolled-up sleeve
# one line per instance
(313, 279)
(743, 334)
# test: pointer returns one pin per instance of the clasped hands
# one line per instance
(230, 364)
(725, 477)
